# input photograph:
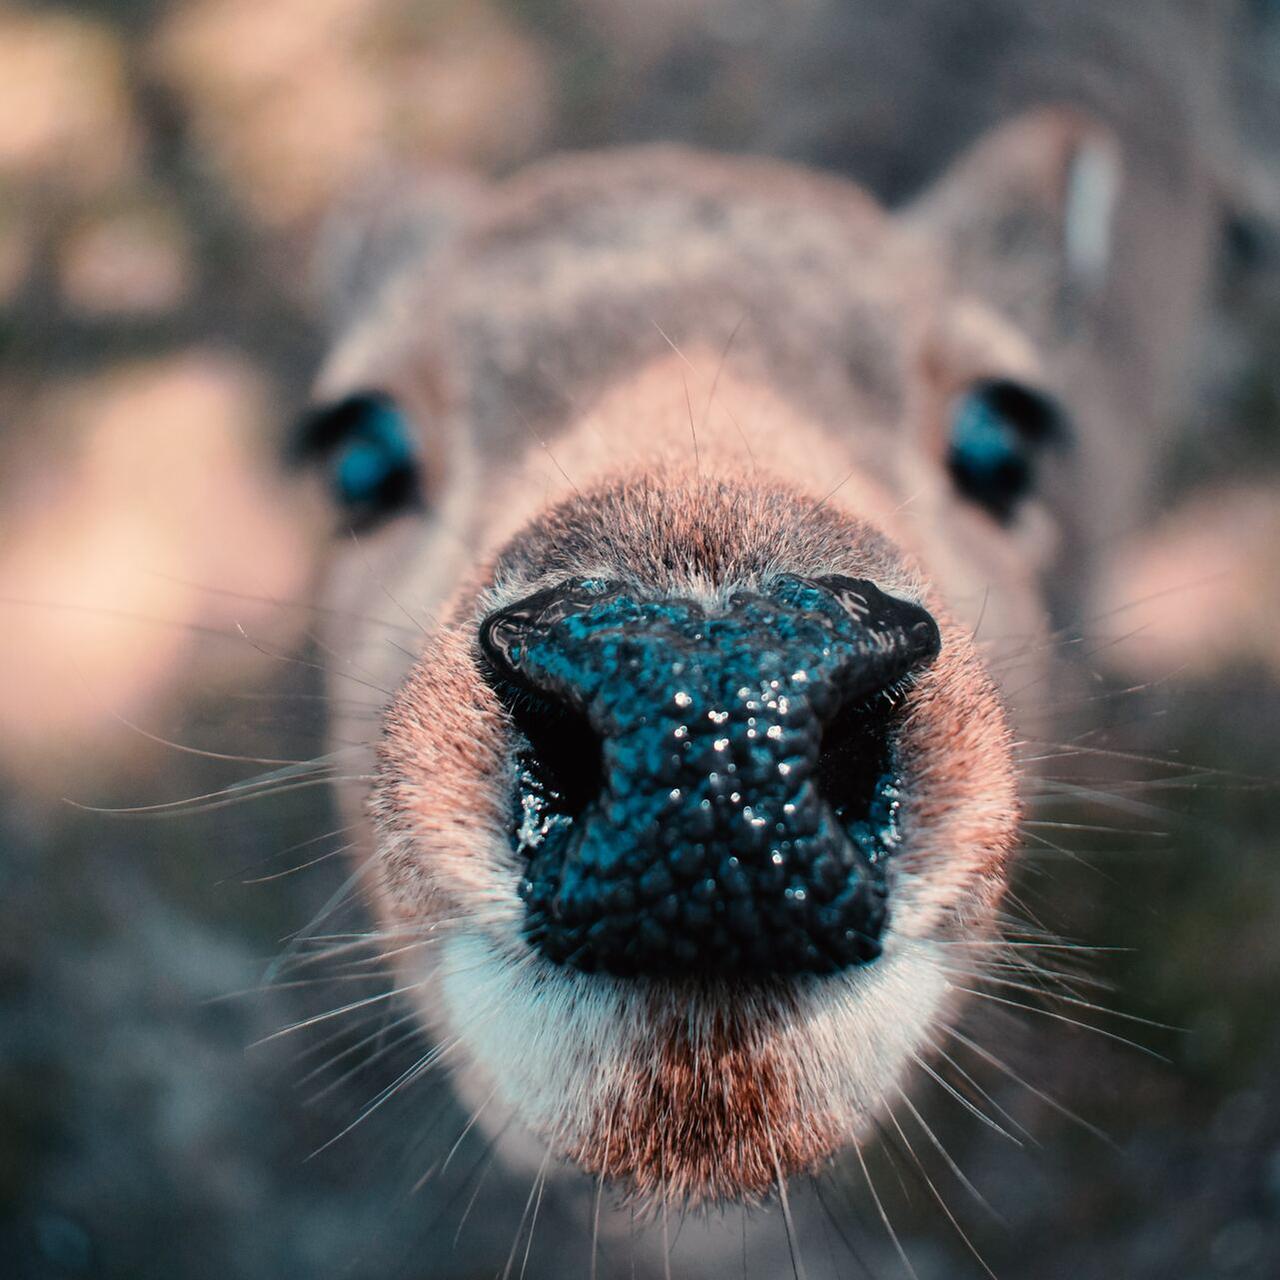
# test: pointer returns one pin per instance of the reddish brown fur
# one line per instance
(717, 1120)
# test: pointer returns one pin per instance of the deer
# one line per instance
(734, 514)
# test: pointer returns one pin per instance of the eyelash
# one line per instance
(369, 450)
(997, 431)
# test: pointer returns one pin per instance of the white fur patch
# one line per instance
(1093, 186)
(556, 1044)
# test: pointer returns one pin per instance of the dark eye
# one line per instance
(369, 451)
(998, 429)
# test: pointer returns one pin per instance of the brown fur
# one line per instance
(718, 1119)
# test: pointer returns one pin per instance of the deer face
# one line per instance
(695, 787)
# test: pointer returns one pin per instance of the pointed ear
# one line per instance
(396, 221)
(1026, 218)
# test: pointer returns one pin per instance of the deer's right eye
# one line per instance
(369, 451)
(997, 430)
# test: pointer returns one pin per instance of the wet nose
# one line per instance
(706, 789)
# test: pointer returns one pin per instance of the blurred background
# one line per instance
(164, 170)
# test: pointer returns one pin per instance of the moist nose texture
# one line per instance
(733, 772)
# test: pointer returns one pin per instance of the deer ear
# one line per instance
(396, 221)
(1026, 218)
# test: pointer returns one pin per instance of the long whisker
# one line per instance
(933, 1189)
(1046, 1098)
(853, 471)
(1061, 1017)
(720, 364)
(1011, 984)
(936, 1143)
(306, 606)
(357, 1048)
(546, 448)
(301, 866)
(693, 430)
(410, 1074)
(466, 1129)
(382, 586)
(963, 1101)
(533, 1222)
(884, 1217)
(335, 1013)
(788, 1222)
(301, 937)
(985, 1094)
(293, 848)
(231, 796)
(838, 1228)
(487, 1159)
(595, 1226)
(197, 751)
(329, 672)
(389, 1045)
(515, 1244)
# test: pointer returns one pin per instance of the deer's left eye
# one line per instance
(998, 429)
(369, 452)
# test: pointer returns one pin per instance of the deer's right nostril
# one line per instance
(559, 752)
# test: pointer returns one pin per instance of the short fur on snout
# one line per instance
(697, 1089)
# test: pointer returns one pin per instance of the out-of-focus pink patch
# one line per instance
(129, 263)
(65, 113)
(134, 554)
(477, 91)
(1200, 592)
(278, 92)
(296, 99)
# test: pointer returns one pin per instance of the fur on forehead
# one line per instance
(671, 486)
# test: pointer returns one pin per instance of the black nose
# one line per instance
(706, 790)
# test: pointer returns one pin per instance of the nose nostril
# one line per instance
(558, 758)
(855, 751)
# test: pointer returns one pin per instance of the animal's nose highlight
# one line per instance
(706, 789)
(528, 642)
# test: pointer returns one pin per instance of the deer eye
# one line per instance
(998, 429)
(368, 450)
